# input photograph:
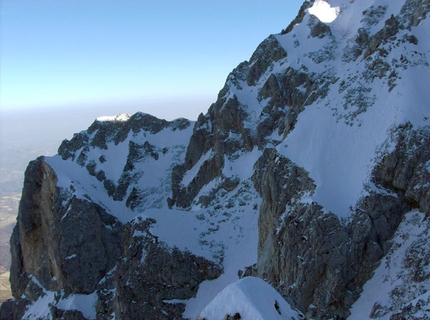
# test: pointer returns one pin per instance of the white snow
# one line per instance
(39, 309)
(120, 117)
(191, 174)
(116, 158)
(86, 186)
(178, 228)
(72, 256)
(227, 234)
(323, 11)
(251, 298)
(243, 167)
(82, 302)
(338, 154)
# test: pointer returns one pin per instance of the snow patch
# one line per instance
(324, 12)
(40, 309)
(177, 228)
(119, 117)
(242, 167)
(251, 298)
(192, 173)
(82, 302)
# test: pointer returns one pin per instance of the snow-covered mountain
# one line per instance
(311, 171)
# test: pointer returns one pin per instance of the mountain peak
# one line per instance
(313, 157)
(119, 117)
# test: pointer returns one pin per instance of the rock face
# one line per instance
(65, 243)
(300, 173)
(310, 253)
(150, 274)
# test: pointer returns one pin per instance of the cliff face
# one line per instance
(315, 256)
(300, 173)
(65, 243)
(59, 243)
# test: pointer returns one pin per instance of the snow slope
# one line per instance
(336, 138)
(83, 302)
(228, 233)
(323, 11)
(249, 298)
(150, 174)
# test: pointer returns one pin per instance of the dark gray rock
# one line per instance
(405, 170)
(68, 148)
(13, 309)
(267, 53)
(200, 141)
(300, 16)
(89, 250)
(66, 244)
(225, 117)
(390, 29)
(373, 15)
(150, 273)
(310, 255)
(414, 11)
(6, 310)
(66, 314)
(318, 29)
(289, 93)
(209, 170)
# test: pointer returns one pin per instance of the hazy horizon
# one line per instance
(63, 64)
(62, 53)
(26, 134)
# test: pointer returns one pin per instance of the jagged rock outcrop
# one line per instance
(228, 128)
(405, 170)
(314, 257)
(300, 173)
(300, 16)
(65, 243)
(150, 274)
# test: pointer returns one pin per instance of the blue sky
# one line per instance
(63, 53)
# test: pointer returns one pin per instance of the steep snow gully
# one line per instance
(303, 192)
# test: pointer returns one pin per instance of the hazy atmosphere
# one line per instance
(64, 63)
(69, 53)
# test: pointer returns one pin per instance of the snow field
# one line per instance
(82, 302)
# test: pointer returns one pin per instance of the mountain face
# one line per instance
(311, 171)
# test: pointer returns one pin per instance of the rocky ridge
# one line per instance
(300, 173)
